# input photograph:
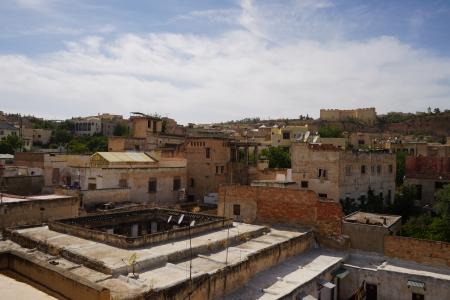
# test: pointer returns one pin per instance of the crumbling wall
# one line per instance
(422, 251)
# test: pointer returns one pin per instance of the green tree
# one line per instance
(121, 130)
(10, 144)
(431, 227)
(328, 131)
(61, 137)
(278, 157)
(405, 202)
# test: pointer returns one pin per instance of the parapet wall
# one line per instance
(281, 206)
(58, 280)
(34, 212)
(428, 252)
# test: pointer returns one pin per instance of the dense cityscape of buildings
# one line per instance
(267, 210)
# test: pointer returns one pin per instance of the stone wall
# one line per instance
(32, 212)
(57, 279)
(367, 115)
(91, 198)
(391, 284)
(24, 185)
(422, 251)
(281, 206)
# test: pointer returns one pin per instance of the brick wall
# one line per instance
(427, 167)
(422, 251)
(282, 206)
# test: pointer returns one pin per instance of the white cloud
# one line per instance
(241, 73)
(43, 6)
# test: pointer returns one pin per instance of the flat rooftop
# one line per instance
(279, 281)
(381, 263)
(372, 219)
(140, 227)
(7, 198)
(160, 267)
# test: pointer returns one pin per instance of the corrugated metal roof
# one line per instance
(126, 157)
(416, 284)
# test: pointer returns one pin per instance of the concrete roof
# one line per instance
(372, 219)
(279, 281)
(164, 265)
(126, 157)
(14, 199)
(380, 263)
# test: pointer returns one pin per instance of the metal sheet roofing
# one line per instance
(126, 157)
(416, 284)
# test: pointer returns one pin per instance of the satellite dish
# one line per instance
(315, 139)
(192, 223)
(170, 219)
(305, 138)
(180, 219)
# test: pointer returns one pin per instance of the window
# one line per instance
(419, 192)
(222, 169)
(217, 169)
(321, 195)
(361, 142)
(92, 186)
(319, 174)
(304, 184)
(176, 183)
(348, 170)
(378, 169)
(208, 152)
(192, 183)
(363, 169)
(416, 296)
(372, 169)
(123, 183)
(391, 169)
(236, 209)
(286, 135)
(371, 291)
(324, 173)
(152, 185)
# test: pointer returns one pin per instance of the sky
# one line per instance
(210, 61)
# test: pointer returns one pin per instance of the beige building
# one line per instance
(148, 179)
(421, 148)
(87, 126)
(147, 135)
(367, 115)
(207, 165)
(7, 129)
(37, 135)
(336, 174)
(287, 135)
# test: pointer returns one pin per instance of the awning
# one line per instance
(416, 284)
(326, 284)
(340, 273)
